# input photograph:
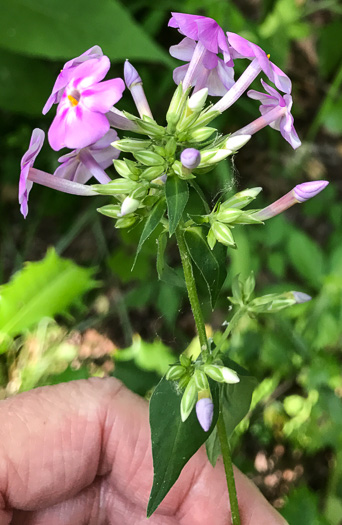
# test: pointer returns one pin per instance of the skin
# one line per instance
(79, 454)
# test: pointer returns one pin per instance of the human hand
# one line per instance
(79, 453)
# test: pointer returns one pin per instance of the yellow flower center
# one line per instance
(73, 100)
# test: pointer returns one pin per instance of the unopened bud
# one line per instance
(201, 380)
(301, 297)
(237, 142)
(190, 158)
(241, 199)
(300, 193)
(228, 215)
(149, 158)
(116, 187)
(130, 145)
(307, 190)
(152, 173)
(223, 234)
(125, 222)
(175, 372)
(229, 375)
(189, 399)
(205, 412)
(128, 206)
(200, 134)
(110, 210)
(209, 157)
(197, 100)
(131, 75)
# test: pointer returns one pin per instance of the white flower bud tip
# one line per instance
(236, 142)
(229, 375)
(197, 100)
(301, 297)
(129, 205)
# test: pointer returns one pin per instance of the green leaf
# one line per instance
(211, 263)
(235, 402)
(59, 29)
(165, 272)
(151, 223)
(42, 289)
(177, 195)
(173, 442)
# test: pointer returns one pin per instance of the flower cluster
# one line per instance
(154, 181)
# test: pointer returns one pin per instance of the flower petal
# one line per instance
(83, 127)
(184, 50)
(102, 96)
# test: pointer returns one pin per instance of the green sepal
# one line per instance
(173, 442)
(149, 158)
(110, 210)
(177, 195)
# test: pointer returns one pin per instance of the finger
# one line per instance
(67, 434)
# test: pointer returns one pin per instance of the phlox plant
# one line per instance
(203, 397)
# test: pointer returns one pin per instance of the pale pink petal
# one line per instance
(102, 96)
(91, 72)
(83, 127)
(179, 73)
(184, 50)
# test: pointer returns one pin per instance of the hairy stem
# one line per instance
(228, 467)
(191, 288)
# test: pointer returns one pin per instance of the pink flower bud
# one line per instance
(190, 158)
(305, 191)
(205, 412)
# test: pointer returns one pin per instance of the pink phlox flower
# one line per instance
(66, 74)
(82, 164)
(242, 48)
(211, 72)
(27, 161)
(284, 123)
(80, 119)
(204, 30)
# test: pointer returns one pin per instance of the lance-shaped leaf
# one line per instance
(173, 442)
(177, 195)
(151, 223)
(235, 402)
(211, 263)
(166, 273)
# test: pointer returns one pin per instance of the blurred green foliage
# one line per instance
(296, 356)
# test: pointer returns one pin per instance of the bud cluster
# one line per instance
(193, 378)
(228, 214)
(269, 303)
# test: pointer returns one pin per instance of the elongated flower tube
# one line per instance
(80, 119)
(275, 111)
(242, 48)
(204, 40)
(82, 164)
(134, 83)
(29, 175)
(66, 74)
(206, 70)
(117, 119)
(300, 193)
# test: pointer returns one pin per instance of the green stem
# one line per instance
(228, 467)
(198, 316)
(191, 288)
(232, 323)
